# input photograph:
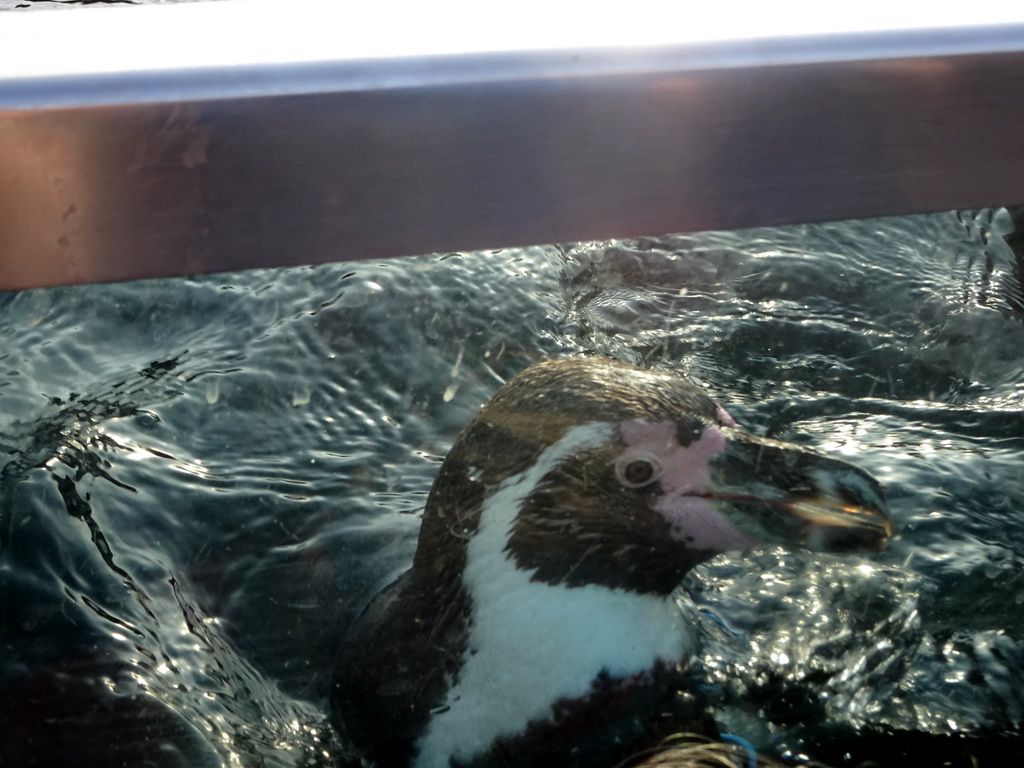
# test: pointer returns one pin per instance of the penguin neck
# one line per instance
(531, 645)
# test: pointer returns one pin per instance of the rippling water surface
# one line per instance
(204, 481)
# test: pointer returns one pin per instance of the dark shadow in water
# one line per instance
(69, 686)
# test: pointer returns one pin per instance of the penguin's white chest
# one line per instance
(532, 644)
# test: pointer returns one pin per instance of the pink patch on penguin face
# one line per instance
(685, 477)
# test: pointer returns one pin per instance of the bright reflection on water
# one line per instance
(206, 480)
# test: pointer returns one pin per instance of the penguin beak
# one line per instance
(779, 493)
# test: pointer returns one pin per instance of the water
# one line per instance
(205, 480)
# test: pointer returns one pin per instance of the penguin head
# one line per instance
(627, 478)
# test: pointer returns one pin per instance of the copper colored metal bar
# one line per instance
(194, 159)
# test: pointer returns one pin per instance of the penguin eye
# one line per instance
(638, 471)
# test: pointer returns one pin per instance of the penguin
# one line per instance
(538, 623)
